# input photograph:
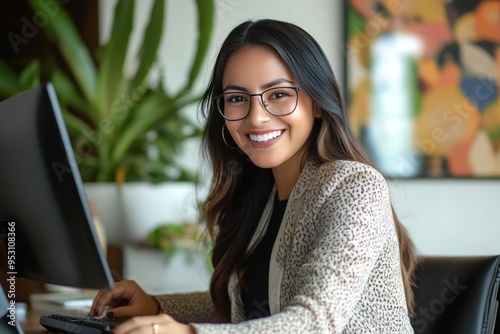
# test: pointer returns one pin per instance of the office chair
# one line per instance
(456, 295)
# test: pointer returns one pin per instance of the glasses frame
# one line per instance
(264, 103)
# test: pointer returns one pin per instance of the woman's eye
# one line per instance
(235, 99)
(279, 94)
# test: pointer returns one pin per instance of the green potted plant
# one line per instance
(123, 128)
(188, 238)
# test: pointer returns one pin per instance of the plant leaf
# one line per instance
(30, 76)
(67, 93)
(149, 112)
(205, 26)
(9, 82)
(113, 56)
(64, 34)
(150, 43)
(74, 124)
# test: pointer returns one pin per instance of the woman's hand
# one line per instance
(125, 300)
(156, 324)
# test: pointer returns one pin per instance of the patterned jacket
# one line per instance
(335, 266)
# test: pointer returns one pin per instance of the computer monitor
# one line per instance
(42, 200)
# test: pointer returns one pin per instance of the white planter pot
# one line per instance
(151, 270)
(130, 211)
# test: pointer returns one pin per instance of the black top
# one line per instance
(254, 294)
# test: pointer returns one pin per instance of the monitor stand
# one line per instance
(9, 323)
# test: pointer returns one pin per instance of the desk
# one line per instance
(31, 324)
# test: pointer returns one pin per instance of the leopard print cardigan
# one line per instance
(335, 267)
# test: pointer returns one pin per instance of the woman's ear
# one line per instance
(317, 112)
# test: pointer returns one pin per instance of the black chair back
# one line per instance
(456, 295)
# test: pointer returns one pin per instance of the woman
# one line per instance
(305, 238)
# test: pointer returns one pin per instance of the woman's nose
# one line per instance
(258, 112)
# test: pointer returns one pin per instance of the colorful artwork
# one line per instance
(423, 85)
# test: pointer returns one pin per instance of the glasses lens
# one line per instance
(234, 106)
(280, 101)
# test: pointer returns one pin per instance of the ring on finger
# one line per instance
(156, 328)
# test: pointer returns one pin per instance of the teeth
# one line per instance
(266, 137)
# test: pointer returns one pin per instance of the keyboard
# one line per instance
(80, 325)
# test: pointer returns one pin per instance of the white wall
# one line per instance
(450, 217)
(445, 217)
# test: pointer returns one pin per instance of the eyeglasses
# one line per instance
(278, 101)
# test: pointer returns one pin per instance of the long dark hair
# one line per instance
(239, 190)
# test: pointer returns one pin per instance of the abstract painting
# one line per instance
(423, 85)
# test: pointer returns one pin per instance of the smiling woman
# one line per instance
(305, 238)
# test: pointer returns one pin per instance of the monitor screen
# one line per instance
(47, 224)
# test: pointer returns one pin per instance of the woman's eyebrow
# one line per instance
(234, 87)
(264, 86)
(275, 82)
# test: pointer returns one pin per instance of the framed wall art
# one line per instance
(423, 83)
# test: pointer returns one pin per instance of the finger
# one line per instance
(99, 299)
(106, 297)
(133, 309)
(143, 324)
(128, 311)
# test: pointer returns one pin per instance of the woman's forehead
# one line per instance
(255, 66)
